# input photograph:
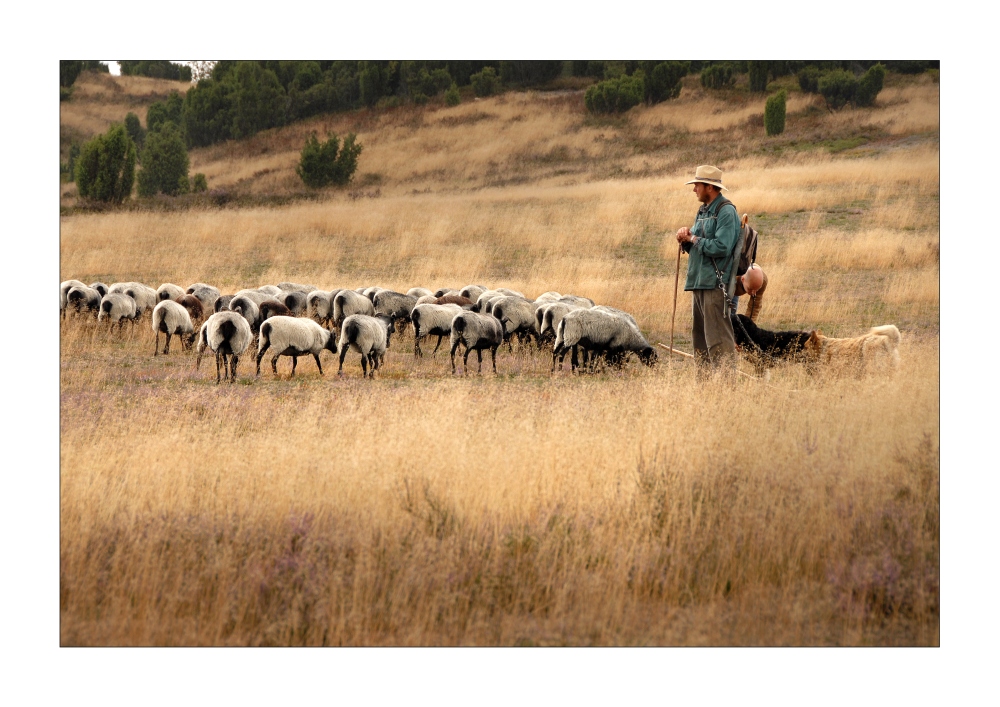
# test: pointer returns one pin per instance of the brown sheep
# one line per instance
(463, 302)
(193, 306)
(273, 308)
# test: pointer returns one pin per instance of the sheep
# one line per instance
(201, 286)
(445, 291)
(319, 305)
(171, 317)
(463, 302)
(484, 299)
(548, 316)
(145, 297)
(193, 306)
(548, 297)
(272, 290)
(348, 302)
(516, 316)
(256, 296)
(370, 292)
(617, 312)
(270, 308)
(117, 307)
(418, 292)
(430, 320)
(208, 296)
(599, 331)
(295, 301)
(295, 287)
(81, 298)
(475, 331)
(228, 335)
(248, 309)
(100, 287)
(64, 288)
(222, 303)
(289, 336)
(396, 306)
(427, 299)
(472, 291)
(168, 290)
(367, 335)
(578, 301)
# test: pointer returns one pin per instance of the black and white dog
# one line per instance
(764, 348)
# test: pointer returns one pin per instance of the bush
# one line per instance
(615, 95)
(774, 113)
(717, 76)
(258, 100)
(164, 162)
(70, 167)
(157, 69)
(199, 183)
(170, 110)
(809, 79)
(105, 169)
(663, 81)
(758, 75)
(529, 73)
(68, 71)
(838, 88)
(451, 97)
(485, 83)
(869, 86)
(134, 129)
(322, 164)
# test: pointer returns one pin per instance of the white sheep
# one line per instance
(145, 296)
(117, 307)
(472, 291)
(578, 301)
(613, 334)
(169, 290)
(548, 297)
(228, 335)
(348, 302)
(446, 291)
(319, 305)
(248, 309)
(295, 300)
(172, 318)
(64, 288)
(394, 305)
(427, 299)
(296, 287)
(202, 286)
(290, 336)
(367, 335)
(205, 294)
(475, 332)
(272, 290)
(81, 297)
(257, 296)
(432, 320)
(418, 292)
(548, 316)
(100, 287)
(370, 292)
(222, 303)
(516, 316)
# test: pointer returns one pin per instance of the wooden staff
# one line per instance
(677, 277)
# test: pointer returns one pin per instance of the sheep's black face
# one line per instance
(164, 295)
(331, 344)
(648, 356)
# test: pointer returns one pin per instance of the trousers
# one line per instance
(712, 330)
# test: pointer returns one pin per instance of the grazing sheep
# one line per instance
(248, 309)
(64, 288)
(319, 305)
(272, 290)
(396, 306)
(418, 292)
(256, 296)
(193, 306)
(548, 297)
(295, 287)
(475, 331)
(222, 303)
(370, 293)
(171, 318)
(168, 290)
(289, 336)
(208, 296)
(617, 312)
(578, 301)
(431, 320)
(516, 316)
(82, 298)
(482, 302)
(100, 287)
(270, 308)
(446, 291)
(548, 317)
(601, 332)
(463, 302)
(367, 335)
(472, 291)
(145, 297)
(228, 335)
(202, 286)
(117, 307)
(295, 301)
(427, 299)
(348, 302)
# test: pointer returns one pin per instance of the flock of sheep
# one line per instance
(289, 319)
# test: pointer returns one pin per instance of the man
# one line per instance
(712, 245)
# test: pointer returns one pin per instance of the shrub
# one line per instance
(134, 129)
(809, 79)
(325, 163)
(74, 155)
(451, 97)
(258, 100)
(170, 110)
(105, 169)
(199, 183)
(838, 87)
(758, 75)
(717, 76)
(870, 85)
(774, 113)
(157, 69)
(164, 162)
(486, 82)
(615, 95)
(663, 81)
(529, 73)
(372, 83)
(68, 71)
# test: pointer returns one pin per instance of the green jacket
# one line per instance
(718, 229)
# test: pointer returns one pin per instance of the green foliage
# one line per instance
(717, 76)
(105, 169)
(425, 84)
(663, 80)
(68, 71)
(615, 95)
(758, 75)
(372, 83)
(325, 163)
(912, 67)
(199, 183)
(527, 73)
(208, 112)
(838, 87)
(870, 85)
(809, 79)
(774, 113)
(451, 96)
(157, 69)
(258, 100)
(164, 162)
(485, 82)
(135, 130)
(160, 112)
(594, 69)
(69, 167)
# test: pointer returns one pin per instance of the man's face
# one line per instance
(703, 192)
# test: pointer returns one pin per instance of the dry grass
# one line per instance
(623, 508)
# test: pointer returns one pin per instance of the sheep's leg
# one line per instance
(438, 345)
(574, 360)
(364, 365)
(479, 353)
(493, 354)
(416, 344)
(453, 348)
(218, 368)
(232, 369)
(318, 364)
(166, 349)
(260, 355)
(343, 352)
(465, 360)
(156, 343)
(295, 362)
(274, 364)
(555, 353)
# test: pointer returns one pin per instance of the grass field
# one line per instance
(633, 507)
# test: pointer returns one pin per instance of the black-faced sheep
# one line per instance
(100, 287)
(117, 307)
(432, 320)
(396, 306)
(418, 292)
(517, 317)
(171, 318)
(145, 296)
(348, 302)
(368, 336)
(319, 305)
(83, 299)
(208, 296)
(475, 332)
(600, 332)
(295, 287)
(222, 303)
(169, 290)
(228, 335)
(295, 301)
(64, 288)
(290, 336)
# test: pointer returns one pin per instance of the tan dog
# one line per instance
(874, 349)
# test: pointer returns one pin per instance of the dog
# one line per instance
(764, 348)
(878, 348)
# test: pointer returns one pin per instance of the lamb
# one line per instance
(145, 297)
(348, 302)
(418, 292)
(193, 306)
(168, 290)
(248, 309)
(208, 296)
(395, 305)
(81, 298)
(117, 307)
(222, 303)
(290, 336)
(270, 308)
(601, 332)
(295, 287)
(228, 335)
(475, 331)
(295, 301)
(430, 320)
(171, 317)
(319, 305)
(100, 287)
(517, 316)
(367, 335)
(64, 288)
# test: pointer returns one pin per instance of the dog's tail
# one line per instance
(889, 331)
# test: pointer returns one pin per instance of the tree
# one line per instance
(838, 88)
(134, 129)
(870, 85)
(68, 71)
(105, 169)
(774, 113)
(485, 82)
(170, 110)
(164, 162)
(615, 95)
(452, 97)
(758, 75)
(663, 79)
(325, 163)
(258, 100)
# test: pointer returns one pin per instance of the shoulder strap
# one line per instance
(722, 202)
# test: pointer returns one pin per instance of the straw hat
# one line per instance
(707, 174)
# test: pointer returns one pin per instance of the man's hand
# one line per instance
(683, 235)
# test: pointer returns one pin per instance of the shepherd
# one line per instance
(713, 246)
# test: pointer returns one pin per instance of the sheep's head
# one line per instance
(331, 342)
(648, 356)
